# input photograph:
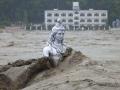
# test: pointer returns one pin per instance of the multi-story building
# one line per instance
(77, 19)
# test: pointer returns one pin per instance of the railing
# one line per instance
(67, 27)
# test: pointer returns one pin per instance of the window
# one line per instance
(76, 23)
(89, 20)
(103, 20)
(82, 20)
(55, 20)
(49, 14)
(89, 25)
(63, 14)
(49, 20)
(76, 12)
(89, 14)
(63, 20)
(96, 20)
(96, 14)
(70, 20)
(103, 14)
(76, 18)
(70, 14)
(82, 14)
(56, 14)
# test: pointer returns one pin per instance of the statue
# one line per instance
(55, 48)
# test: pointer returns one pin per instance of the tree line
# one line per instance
(32, 11)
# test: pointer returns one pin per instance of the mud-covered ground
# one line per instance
(100, 46)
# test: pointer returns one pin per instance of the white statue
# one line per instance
(55, 48)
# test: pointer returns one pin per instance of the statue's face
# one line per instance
(60, 35)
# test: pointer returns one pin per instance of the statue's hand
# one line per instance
(68, 51)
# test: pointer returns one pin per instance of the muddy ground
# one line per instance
(100, 46)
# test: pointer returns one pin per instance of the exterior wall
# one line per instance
(82, 19)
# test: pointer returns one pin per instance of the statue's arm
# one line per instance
(46, 52)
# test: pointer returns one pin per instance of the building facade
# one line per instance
(77, 19)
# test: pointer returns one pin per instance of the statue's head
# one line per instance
(59, 35)
(59, 21)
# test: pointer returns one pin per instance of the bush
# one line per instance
(4, 23)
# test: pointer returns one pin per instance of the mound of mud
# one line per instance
(16, 75)
(6, 83)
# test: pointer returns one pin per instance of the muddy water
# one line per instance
(98, 45)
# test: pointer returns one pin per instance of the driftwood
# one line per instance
(16, 75)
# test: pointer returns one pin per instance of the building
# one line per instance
(77, 19)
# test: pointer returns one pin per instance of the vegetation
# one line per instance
(32, 11)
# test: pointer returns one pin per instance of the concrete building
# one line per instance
(77, 19)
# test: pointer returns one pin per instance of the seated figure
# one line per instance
(55, 48)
